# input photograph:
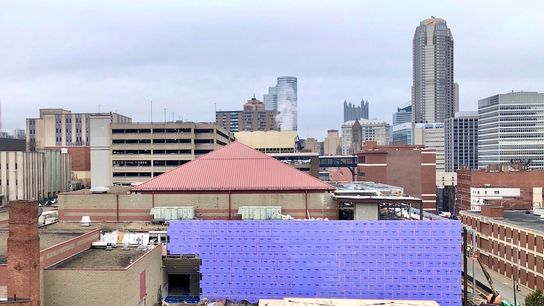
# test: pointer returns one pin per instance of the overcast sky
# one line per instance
(187, 55)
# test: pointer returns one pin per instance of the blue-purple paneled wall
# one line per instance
(341, 259)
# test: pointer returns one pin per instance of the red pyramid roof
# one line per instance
(234, 167)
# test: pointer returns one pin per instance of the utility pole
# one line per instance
(465, 274)
(473, 263)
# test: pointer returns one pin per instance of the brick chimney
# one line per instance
(24, 252)
(493, 211)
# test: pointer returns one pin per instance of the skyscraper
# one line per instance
(286, 95)
(510, 127)
(434, 93)
(403, 115)
(354, 112)
(271, 99)
(461, 141)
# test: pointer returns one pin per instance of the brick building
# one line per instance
(254, 117)
(411, 167)
(509, 242)
(55, 265)
(520, 189)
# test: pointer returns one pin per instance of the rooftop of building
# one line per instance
(234, 167)
(47, 239)
(374, 147)
(76, 227)
(364, 121)
(364, 187)
(12, 144)
(341, 302)
(112, 190)
(517, 218)
(52, 111)
(295, 154)
(433, 20)
(117, 258)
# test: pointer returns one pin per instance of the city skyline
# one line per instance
(75, 70)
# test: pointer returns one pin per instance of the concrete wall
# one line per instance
(33, 175)
(366, 212)
(100, 151)
(66, 287)
(137, 207)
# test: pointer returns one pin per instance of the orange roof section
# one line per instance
(234, 167)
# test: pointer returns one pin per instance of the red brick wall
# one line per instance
(340, 175)
(3, 275)
(405, 166)
(525, 180)
(24, 251)
(81, 157)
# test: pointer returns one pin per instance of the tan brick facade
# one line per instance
(67, 287)
(136, 207)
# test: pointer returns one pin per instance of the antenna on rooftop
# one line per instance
(151, 111)
(165, 115)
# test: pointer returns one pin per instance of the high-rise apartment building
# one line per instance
(403, 115)
(58, 129)
(461, 141)
(254, 117)
(434, 93)
(126, 153)
(511, 127)
(355, 112)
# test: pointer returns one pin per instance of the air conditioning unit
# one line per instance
(85, 221)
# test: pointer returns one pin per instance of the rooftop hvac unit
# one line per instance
(99, 190)
(85, 221)
(260, 212)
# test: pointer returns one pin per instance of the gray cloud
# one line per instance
(187, 55)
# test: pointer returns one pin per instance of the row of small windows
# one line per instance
(147, 163)
(148, 152)
(161, 131)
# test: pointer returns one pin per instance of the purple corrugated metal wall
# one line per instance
(341, 259)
